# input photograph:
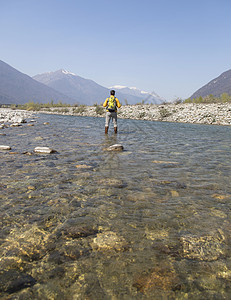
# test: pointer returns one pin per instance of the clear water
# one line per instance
(151, 222)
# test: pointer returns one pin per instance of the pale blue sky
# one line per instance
(172, 47)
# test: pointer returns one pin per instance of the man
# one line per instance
(111, 105)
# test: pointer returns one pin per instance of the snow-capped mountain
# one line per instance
(146, 97)
(85, 91)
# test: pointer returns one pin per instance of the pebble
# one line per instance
(44, 150)
(4, 147)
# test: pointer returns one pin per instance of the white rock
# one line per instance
(3, 147)
(44, 150)
(20, 120)
(15, 125)
(115, 147)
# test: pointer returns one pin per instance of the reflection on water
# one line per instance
(151, 222)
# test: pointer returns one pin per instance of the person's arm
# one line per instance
(105, 103)
(118, 103)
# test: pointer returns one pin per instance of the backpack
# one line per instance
(111, 104)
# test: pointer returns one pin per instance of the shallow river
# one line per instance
(151, 222)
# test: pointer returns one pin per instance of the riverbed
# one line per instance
(149, 222)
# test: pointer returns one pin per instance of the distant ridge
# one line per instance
(85, 90)
(216, 87)
(64, 86)
(146, 97)
(19, 88)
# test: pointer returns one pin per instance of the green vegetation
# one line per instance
(32, 106)
(224, 98)
(99, 109)
(164, 113)
(80, 109)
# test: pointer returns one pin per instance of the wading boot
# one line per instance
(115, 129)
(106, 129)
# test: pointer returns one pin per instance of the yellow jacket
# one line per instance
(117, 103)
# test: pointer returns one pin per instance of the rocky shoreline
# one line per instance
(213, 114)
(9, 117)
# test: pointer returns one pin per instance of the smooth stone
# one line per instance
(116, 147)
(44, 150)
(15, 125)
(83, 166)
(3, 147)
(109, 240)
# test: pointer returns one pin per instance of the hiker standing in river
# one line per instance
(111, 105)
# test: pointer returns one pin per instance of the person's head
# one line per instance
(112, 92)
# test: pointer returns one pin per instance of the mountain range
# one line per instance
(19, 88)
(216, 87)
(89, 92)
(145, 96)
(61, 85)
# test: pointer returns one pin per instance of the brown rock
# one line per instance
(162, 278)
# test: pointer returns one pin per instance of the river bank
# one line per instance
(216, 114)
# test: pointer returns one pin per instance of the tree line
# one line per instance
(224, 98)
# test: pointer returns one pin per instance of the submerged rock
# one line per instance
(109, 240)
(4, 147)
(15, 125)
(76, 231)
(111, 182)
(115, 147)
(161, 278)
(46, 150)
(13, 281)
(204, 247)
(29, 244)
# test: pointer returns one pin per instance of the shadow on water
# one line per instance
(150, 222)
